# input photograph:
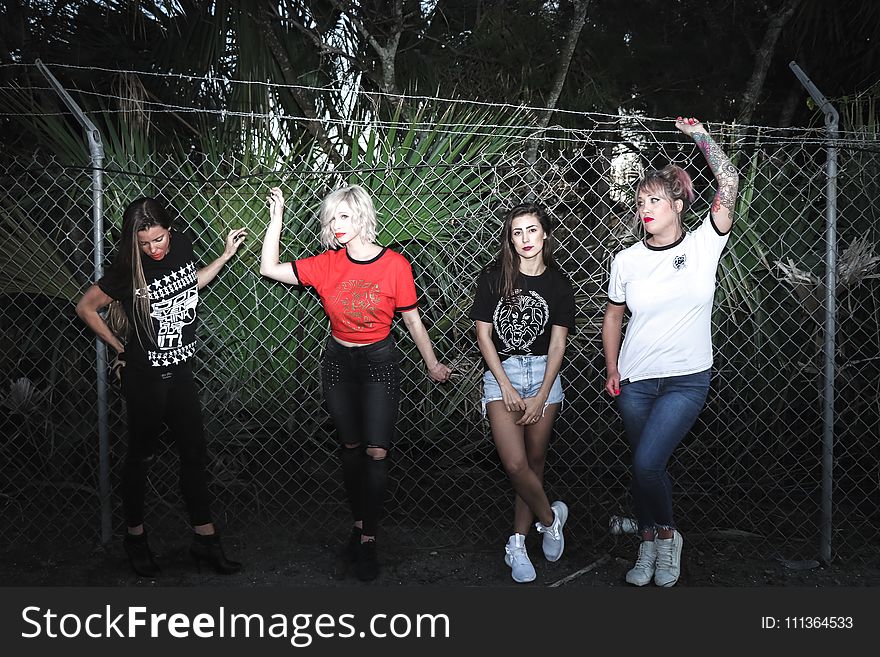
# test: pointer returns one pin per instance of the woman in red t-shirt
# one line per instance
(361, 285)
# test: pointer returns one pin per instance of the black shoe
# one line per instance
(208, 548)
(139, 555)
(347, 555)
(366, 566)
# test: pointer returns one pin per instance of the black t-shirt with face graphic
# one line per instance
(173, 290)
(521, 325)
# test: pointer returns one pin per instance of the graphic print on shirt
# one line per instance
(173, 300)
(358, 300)
(679, 262)
(520, 319)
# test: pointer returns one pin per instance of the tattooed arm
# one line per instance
(725, 173)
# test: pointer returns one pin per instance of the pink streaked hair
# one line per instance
(671, 182)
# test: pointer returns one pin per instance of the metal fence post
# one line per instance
(750, 467)
(96, 152)
(831, 124)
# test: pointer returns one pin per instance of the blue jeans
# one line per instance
(657, 414)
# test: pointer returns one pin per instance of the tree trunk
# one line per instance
(307, 107)
(789, 107)
(763, 58)
(571, 39)
(387, 53)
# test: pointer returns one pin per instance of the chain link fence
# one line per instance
(750, 468)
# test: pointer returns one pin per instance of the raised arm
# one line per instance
(270, 264)
(725, 173)
(233, 241)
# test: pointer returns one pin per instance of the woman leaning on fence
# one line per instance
(362, 285)
(660, 376)
(524, 310)
(152, 293)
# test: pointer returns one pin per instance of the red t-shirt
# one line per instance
(359, 296)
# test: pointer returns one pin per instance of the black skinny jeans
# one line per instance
(362, 392)
(152, 399)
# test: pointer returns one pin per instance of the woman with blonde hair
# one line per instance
(362, 286)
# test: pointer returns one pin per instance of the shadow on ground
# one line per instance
(279, 558)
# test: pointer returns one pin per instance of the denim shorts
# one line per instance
(526, 374)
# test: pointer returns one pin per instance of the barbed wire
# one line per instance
(551, 134)
(613, 119)
(282, 85)
(606, 132)
(200, 176)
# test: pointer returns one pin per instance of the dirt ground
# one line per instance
(284, 559)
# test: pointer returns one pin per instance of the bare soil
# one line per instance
(283, 558)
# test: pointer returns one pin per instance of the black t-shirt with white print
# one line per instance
(172, 285)
(521, 324)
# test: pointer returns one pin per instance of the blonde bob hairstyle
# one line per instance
(363, 214)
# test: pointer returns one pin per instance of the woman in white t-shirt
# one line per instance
(660, 375)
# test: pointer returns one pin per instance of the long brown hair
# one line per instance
(127, 269)
(507, 260)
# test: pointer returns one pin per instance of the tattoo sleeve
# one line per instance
(725, 173)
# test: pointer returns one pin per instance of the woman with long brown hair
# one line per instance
(152, 289)
(524, 310)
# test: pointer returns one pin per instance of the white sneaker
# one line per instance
(668, 560)
(516, 556)
(554, 541)
(618, 525)
(643, 571)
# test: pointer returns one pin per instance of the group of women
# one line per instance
(523, 309)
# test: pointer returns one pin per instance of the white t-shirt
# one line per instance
(669, 291)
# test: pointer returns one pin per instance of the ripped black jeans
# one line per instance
(362, 393)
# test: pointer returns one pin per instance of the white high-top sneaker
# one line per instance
(516, 556)
(554, 541)
(668, 560)
(643, 571)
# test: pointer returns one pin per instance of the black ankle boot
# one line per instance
(347, 555)
(366, 566)
(139, 555)
(208, 548)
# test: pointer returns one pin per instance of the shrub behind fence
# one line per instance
(752, 466)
